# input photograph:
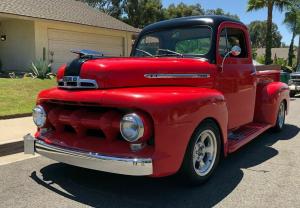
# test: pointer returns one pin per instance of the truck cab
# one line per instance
(188, 95)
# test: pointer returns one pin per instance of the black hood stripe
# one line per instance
(74, 67)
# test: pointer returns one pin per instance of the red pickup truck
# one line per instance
(188, 95)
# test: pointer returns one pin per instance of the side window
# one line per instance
(230, 37)
(223, 45)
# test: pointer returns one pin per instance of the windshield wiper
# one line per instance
(170, 51)
(145, 52)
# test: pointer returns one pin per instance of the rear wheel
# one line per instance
(280, 121)
(203, 153)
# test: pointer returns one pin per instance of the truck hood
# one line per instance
(133, 72)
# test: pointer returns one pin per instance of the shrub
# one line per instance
(280, 61)
(41, 69)
(260, 59)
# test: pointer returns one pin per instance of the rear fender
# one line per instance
(268, 98)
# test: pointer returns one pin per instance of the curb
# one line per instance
(22, 115)
(11, 148)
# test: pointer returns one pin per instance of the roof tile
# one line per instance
(63, 10)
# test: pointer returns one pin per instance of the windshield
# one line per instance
(182, 42)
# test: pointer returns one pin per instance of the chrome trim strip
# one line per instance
(164, 76)
(91, 160)
(77, 80)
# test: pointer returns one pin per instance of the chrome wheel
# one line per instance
(281, 115)
(205, 152)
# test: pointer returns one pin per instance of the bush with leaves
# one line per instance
(41, 69)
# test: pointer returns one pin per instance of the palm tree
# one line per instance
(269, 4)
(292, 20)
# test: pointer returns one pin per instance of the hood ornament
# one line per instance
(85, 53)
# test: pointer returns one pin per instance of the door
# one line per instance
(62, 41)
(237, 77)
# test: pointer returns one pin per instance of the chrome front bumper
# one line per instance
(91, 160)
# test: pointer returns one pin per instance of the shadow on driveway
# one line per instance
(100, 189)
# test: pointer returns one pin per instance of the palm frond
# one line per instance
(256, 5)
(283, 4)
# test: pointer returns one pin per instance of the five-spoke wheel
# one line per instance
(203, 153)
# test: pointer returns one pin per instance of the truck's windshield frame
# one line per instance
(165, 41)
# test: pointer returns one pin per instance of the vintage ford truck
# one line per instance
(188, 95)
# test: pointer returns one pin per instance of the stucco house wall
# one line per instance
(18, 50)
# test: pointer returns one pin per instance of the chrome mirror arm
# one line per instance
(235, 51)
(222, 65)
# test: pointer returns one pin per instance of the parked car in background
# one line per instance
(188, 95)
(294, 82)
(285, 74)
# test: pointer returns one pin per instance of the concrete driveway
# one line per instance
(265, 173)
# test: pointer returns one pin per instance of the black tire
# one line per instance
(280, 120)
(187, 171)
(292, 94)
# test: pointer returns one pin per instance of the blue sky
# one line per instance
(239, 7)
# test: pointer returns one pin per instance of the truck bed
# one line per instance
(268, 73)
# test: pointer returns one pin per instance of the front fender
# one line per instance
(176, 112)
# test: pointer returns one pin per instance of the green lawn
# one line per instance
(18, 96)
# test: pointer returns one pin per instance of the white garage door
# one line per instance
(62, 41)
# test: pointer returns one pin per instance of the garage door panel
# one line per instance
(58, 44)
(61, 42)
(62, 35)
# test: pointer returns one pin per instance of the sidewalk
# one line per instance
(11, 139)
(13, 130)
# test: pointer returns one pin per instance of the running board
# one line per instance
(245, 134)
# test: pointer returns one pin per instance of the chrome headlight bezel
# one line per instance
(39, 116)
(131, 127)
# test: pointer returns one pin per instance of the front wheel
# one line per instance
(203, 153)
(280, 121)
(292, 94)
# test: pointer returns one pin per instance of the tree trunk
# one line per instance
(291, 50)
(269, 33)
(298, 52)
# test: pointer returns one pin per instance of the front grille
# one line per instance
(297, 82)
(75, 82)
(295, 77)
(84, 121)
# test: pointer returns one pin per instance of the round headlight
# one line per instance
(131, 127)
(39, 116)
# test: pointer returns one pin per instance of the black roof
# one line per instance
(212, 20)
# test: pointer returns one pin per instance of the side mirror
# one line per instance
(235, 51)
